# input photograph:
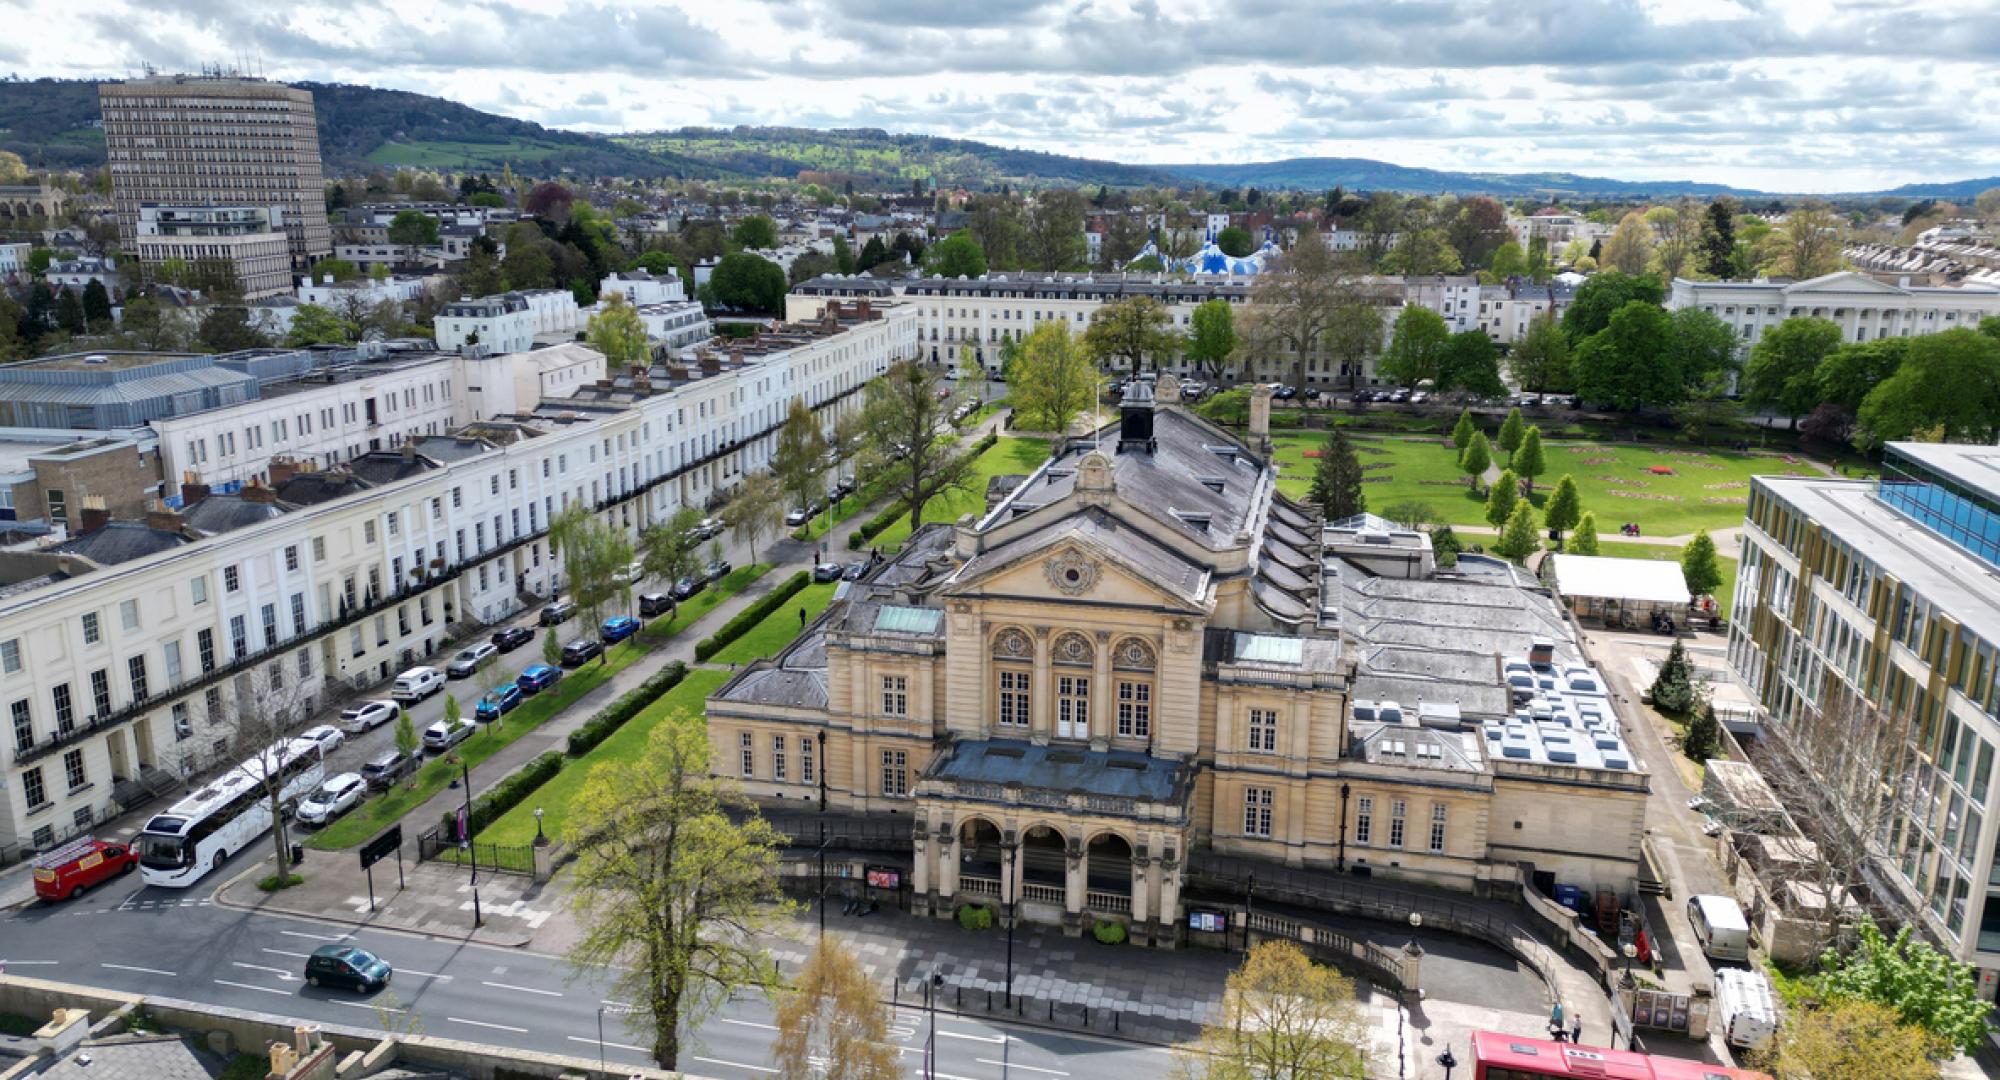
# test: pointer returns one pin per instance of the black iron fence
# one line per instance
(499, 858)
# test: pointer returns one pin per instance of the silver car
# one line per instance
(334, 798)
(469, 660)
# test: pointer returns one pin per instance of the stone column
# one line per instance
(1142, 882)
(1102, 695)
(1076, 880)
(920, 872)
(1041, 703)
(1170, 899)
(948, 863)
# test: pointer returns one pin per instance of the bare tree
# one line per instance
(264, 710)
(1293, 304)
(910, 437)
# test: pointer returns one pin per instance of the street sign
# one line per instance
(382, 847)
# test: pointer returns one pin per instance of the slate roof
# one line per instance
(217, 514)
(1128, 774)
(120, 542)
(1117, 540)
(313, 488)
(130, 1057)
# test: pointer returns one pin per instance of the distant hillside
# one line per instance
(1363, 174)
(51, 123)
(1948, 189)
(873, 156)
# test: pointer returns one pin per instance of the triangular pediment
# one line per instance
(1092, 560)
(1842, 281)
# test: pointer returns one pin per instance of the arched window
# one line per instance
(1133, 663)
(1013, 657)
(1074, 657)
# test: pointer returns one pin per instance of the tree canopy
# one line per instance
(1604, 295)
(1948, 381)
(957, 255)
(1212, 336)
(1782, 372)
(1416, 347)
(747, 282)
(1054, 380)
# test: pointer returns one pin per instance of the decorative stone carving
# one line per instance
(1013, 645)
(1072, 648)
(1133, 654)
(1071, 573)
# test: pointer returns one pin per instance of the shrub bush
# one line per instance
(975, 917)
(1108, 932)
(752, 615)
(273, 883)
(508, 793)
(608, 719)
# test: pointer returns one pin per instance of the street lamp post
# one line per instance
(1448, 1061)
(822, 881)
(1007, 892)
(1340, 863)
(602, 1071)
(541, 838)
(821, 766)
(471, 853)
(1249, 905)
(933, 982)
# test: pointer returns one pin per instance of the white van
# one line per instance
(1720, 927)
(1744, 1006)
(417, 684)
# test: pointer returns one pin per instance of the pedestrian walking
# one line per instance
(1576, 1030)
(802, 618)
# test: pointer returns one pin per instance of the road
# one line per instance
(138, 939)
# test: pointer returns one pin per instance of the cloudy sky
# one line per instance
(1785, 95)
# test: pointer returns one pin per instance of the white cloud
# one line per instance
(1788, 95)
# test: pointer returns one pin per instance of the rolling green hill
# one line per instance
(874, 156)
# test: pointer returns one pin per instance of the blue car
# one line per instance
(619, 627)
(498, 702)
(538, 678)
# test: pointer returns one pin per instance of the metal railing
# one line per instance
(500, 858)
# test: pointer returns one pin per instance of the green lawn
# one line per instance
(444, 153)
(779, 627)
(517, 826)
(1724, 593)
(1705, 489)
(823, 523)
(1012, 454)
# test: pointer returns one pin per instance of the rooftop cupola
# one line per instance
(1135, 419)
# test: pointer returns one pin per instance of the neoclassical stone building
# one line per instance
(1144, 652)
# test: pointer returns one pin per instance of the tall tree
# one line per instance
(669, 890)
(1849, 372)
(1235, 242)
(1629, 364)
(672, 551)
(1564, 508)
(316, 324)
(906, 417)
(1540, 360)
(1700, 565)
(1511, 430)
(1423, 253)
(1808, 244)
(1948, 381)
(1782, 372)
(412, 229)
(1477, 230)
(1052, 239)
(227, 328)
(1509, 261)
(1475, 459)
(1630, 246)
(1677, 231)
(1416, 347)
(833, 1025)
(957, 255)
(1603, 296)
(747, 281)
(1674, 691)
(1129, 332)
(1054, 380)
(69, 312)
(1718, 240)
(1470, 364)
(1462, 432)
(264, 713)
(617, 332)
(1212, 336)
(594, 559)
(1502, 497)
(1284, 1017)
(799, 459)
(96, 307)
(996, 224)
(1337, 477)
(1353, 333)
(1584, 540)
(757, 508)
(1528, 460)
(1518, 538)
(1703, 348)
(1293, 301)
(755, 233)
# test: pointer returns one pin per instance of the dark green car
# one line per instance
(345, 965)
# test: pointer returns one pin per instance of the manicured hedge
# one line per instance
(608, 719)
(875, 526)
(752, 615)
(508, 793)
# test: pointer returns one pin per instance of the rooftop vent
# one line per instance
(1213, 483)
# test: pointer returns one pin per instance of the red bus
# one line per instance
(1513, 1057)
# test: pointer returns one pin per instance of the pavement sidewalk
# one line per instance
(432, 898)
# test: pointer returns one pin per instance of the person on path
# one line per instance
(802, 618)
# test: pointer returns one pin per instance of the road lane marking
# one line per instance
(147, 970)
(282, 952)
(259, 989)
(315, 937)
(279, 972)
(974, 1038)
(366, 1005)
(612, 1045)
(747, 1023)
(736, 1064)
(1018, 1065)
(521, 989)
(610, 1004)
(28, 963)
(484, 1024)
(423, 975)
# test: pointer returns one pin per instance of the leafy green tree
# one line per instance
(748, 282)
(957, 255)
(96, 307)
(1849, 1039)
(1538, 267)
(1584, 540)
(1052, 231)
(315, 324)
(1852, 370)
(406, 729)
(1509, 261)
(227, 328)
(594, 556)
(757, 508)
(1782, 372)
(1231, 407)
(1284, 1016)
(1603, 296)
(756, 232)
(1502, 497)
(1528, 460)
(1416, 347)
(1337, 477)
(1054, 380)
(672, 551)
(1353, 333)
(1629, 364)
(1518, 538)
(1470, 363)
(1703, 739)
(1511, 431)
(1674, 692)
(1129, 332)
(1949, 382)
(617, 332)
(1925, 987)
(69, 312)
(873, 254)
(1212, 337)
(1422, 253)
(1446, 546)
(1235, 242)
(1565, 507)
(412, 229)
(1700, 565)
(1462, 432)
(1718, 240)
(671, 892)
(1475, 459)
(39, 261)
(1293, 303)
(906, 419)
(799, 459)
(1630, 246)
(834, 1023)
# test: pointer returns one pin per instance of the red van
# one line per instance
(76, 866)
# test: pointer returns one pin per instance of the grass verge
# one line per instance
(1010, 454)
(777, 629)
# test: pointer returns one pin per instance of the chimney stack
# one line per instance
(282, 469)
(409, 451)
(94, 516)
(164, 520)
(192, 490)
(258, 493)
(1260, 418)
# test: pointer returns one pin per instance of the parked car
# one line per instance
(558, 613)
(632, 572)
(334, 798)
(444, 735)
(841, 489)
(417, 684)
(1399, 397)
(538, 678)
(1420, 397)
(581, 651)
(498, 702)
(470, 659)
(1285, 393)
(799, 515)
(70, 869)
(854, 570)
(327, 736)
(619, 627)
(688, 586)
(827, 571)
(345, 965)
(717, 570)
(386, 768)
(710, 527)
(367, 715)
(512, 638)
(654, 603)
